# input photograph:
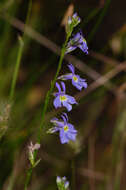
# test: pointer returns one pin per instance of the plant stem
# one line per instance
(51, 90)
(13, 84)
(99, 20)
(20, 53)
(118, 144)
(28, 177)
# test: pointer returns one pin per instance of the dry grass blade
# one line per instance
(103, 58)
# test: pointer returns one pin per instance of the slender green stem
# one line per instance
(28, 177)
(13, 84)
(118, 143)
(90, 16)
(20, 53)
(50, 91)
(99, 20)
(27, 17)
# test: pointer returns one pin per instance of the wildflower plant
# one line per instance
(66, 130)
(62, 183)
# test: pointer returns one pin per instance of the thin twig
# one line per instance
(103, 58)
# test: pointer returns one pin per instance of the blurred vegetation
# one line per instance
(97, 159)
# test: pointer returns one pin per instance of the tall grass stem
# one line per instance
(20, 53)
(99, 21)
(13, 84)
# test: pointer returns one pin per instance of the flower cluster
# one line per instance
(31, 150)
(62, 183)
(66, 130)
(78, 41)
(72, 22)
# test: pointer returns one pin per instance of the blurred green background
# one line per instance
(96, 161)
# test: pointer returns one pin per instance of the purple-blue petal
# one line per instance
(71, 136)
(85, 84)
(71, 99)
(54, 129)
(70, 48)
(57, 102)
(66, 116)
(75, 15)
(66, 185)
(63, 137)
(71, 67)
(59, 124)
(84, 47)
(79, 87)
(57, 94)
(66, 76)
(71, 128)
(63, 87)
(77, 37)
(58, 87)
(54, 119)
(82, 83)
(67, 105)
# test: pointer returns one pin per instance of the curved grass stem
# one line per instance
(14, 79)
(20, 53)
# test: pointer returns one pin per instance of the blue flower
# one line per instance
(66, 130)
(77, 81)
(77, 41)
(62, 183)
(62, 99)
